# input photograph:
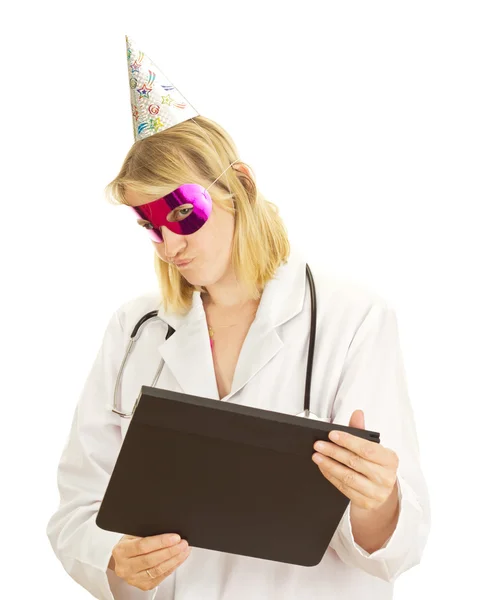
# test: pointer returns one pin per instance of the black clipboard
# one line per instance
(225, 477)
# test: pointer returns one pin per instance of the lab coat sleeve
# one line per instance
(84, 470)
(373, 380)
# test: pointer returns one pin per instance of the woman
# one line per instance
(240, 310)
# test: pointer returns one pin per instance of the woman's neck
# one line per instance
(226, 297)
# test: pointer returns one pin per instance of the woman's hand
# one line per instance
(364, 471)
(145, 562)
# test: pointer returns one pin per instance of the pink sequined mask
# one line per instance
(183, 211)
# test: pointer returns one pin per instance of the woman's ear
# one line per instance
(242, 167)
(248, 180)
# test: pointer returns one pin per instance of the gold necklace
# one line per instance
(211, 329)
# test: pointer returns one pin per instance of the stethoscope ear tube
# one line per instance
(311, 347)
(134, 334)
(133, 338)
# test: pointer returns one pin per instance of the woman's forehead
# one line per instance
(134, 198)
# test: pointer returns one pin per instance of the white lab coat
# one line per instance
(357, 365)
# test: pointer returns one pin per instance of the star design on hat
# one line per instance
(144, 91)
(156, 123)
(135, 67)
(167, 99)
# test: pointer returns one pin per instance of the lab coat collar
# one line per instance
(188, 353)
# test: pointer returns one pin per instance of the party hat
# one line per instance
(156, 104)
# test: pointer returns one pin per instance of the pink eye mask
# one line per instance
(190, 218)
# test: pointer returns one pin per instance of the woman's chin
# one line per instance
(196, 280)
(193, 279)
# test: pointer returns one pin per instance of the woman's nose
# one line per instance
(174, 242)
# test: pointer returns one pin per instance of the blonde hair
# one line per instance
(198, 150)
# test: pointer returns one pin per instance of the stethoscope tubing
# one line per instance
(135, 334)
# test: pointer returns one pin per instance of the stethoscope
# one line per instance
(154, 315)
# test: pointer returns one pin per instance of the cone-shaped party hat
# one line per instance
(156, 104)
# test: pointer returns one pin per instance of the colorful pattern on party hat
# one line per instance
(156, 104)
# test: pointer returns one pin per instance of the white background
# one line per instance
(372, 114)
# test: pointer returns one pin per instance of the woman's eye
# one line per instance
(146, 225)
(178, 214)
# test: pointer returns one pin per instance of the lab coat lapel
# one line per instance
(188, 353)
(281, 300)
(260, 346)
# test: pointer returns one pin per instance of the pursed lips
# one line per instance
(183, 263)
